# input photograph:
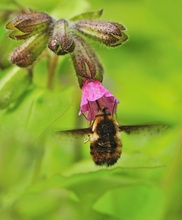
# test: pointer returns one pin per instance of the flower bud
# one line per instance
(28, 52)
(86, 62)
(61, 41)
(109, 33)
(28, 24)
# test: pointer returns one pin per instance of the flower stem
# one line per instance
(51, 71)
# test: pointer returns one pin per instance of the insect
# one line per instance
(105, 138)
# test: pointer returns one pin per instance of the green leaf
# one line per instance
(18, 156)
(34, 110)
(106, 179)
(134, 202)
(13, 85)
(48, 204)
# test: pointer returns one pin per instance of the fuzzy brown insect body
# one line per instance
(105, 140)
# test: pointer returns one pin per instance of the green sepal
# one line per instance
(88, 15)
(19, 35)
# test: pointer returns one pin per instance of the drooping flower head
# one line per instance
(40, 30)
(96, 97)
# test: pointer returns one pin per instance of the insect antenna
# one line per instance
(99, 108)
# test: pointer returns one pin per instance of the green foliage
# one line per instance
(13, 85)
(43, 176)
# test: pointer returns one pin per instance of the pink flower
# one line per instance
(96, 97)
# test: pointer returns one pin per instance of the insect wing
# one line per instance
(149, 128)
(76, 132)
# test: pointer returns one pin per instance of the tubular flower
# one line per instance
(96, 97)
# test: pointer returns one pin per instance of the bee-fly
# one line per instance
(105, 139)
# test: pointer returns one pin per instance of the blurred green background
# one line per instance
(43, 176)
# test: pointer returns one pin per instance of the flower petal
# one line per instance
(96, 97)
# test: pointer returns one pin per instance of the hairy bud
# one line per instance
(86, 62)
(28, 52)
(28, 24)
(61, 41)
(109, 33)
